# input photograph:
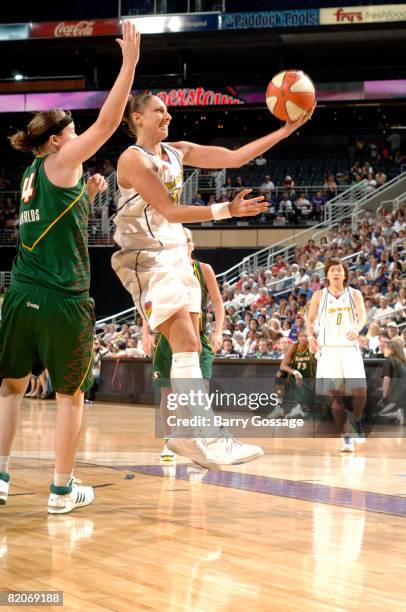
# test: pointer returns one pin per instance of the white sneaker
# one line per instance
(295, 412)
(194, 449)
(69, 498)
(228, 451)
(387, 408)
(347, 444)
(276, 413)
(396, 415)
(167, 456)
(3, 491)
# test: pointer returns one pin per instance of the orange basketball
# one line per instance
(290, 95)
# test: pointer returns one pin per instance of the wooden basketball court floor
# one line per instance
(302, 528)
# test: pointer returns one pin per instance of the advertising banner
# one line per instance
(270, 19)
(350, 15)
(75, 29)
(203, 97)
(14, 31)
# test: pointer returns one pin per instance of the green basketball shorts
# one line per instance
(162, 361)
(39, 331)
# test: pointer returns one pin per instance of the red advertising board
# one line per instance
(75, 29)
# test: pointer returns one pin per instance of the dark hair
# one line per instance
(135, 104)
(39, 129)
(335, 261)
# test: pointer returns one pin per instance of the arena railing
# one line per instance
(392, 205)
(5, 278)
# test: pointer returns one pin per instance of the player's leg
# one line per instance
(354, 372)
(18, 357)
(11, 394)
(66, 347)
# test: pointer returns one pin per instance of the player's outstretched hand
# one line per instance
(96, 184)
(292, 126)
(130, 43)
(247, 208)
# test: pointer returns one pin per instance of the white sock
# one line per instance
(186, 377)
(4, 463)
(62, 480)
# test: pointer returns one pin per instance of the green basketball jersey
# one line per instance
(304, 362)
(198, 272)
(53, 250)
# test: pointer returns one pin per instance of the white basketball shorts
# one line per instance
(160, 282)
(340, 368)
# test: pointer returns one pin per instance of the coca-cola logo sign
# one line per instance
(75, 29)
(80, 28)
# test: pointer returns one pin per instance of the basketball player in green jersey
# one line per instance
(162, 353)
(300, 363)
(47, 315)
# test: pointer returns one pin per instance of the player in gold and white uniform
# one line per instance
(339, 313)
(153, 262)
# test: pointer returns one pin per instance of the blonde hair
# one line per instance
(39, 129)
(135, 104)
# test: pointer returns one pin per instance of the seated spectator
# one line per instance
(286, 210)
(380, 178)
(370, 309)
(384, 310)
(260, 161)
(303, 205)
(392, 330)
(315, 283)
(394, 381)
(297, 327)
(198, 200)
(227, 349)
(262, 351)
(371, 183)
(267, 185)
(318, 202)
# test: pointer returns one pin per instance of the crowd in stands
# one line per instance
(266, 310)
(290, 204)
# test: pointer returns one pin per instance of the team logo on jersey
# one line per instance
(156, 375)
(148, 309)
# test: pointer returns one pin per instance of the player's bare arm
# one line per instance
(216, 299)
(360, 315)
(311, 320)
(201, 156)
(135, 171)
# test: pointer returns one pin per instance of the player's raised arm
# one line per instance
(81, 148)
(217, 301)
(311, 320)
(202, 156)
(137, 172)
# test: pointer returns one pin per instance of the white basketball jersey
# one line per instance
(138, 225)
(336, 317)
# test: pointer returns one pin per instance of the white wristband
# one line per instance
(221, 211)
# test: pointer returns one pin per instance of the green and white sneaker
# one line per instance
(65, 499)
(4, 484)
(167, 456)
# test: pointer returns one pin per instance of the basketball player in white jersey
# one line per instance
(153, 262)
(339, 313)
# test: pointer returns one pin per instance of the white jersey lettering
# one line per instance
(336, 317)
